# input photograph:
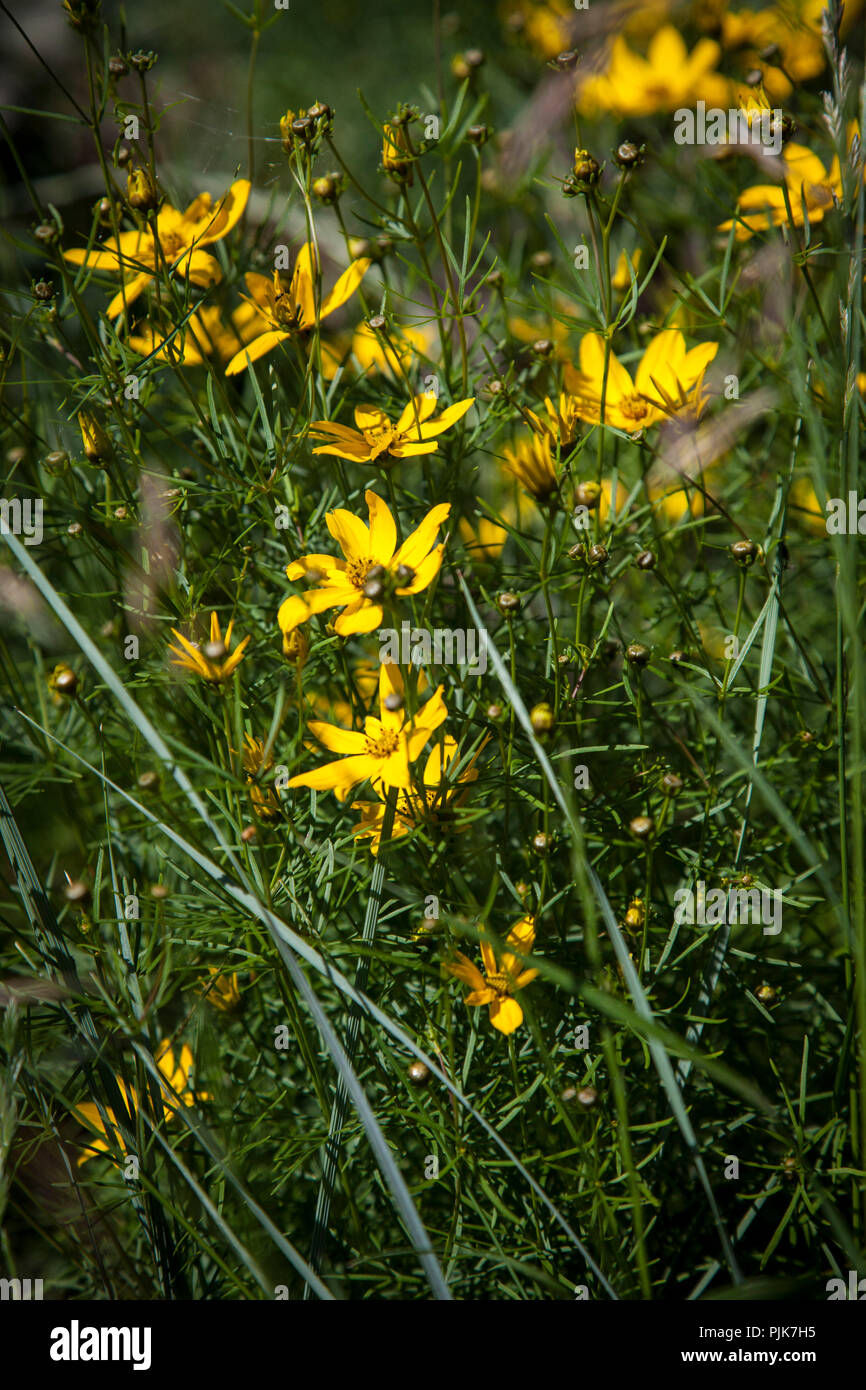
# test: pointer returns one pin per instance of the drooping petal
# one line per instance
(506, 1015)
(463, 969)
(345, 286)
(256, 349)
(360, 616)
(130, 292)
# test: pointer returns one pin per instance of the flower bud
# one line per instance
(587, 1096)
(541, 260)
(76, 891)
(44, 290)
(117, 67)
(97, 445)
(744, 552)
(628, 155)
(63, 680)
(418, 1073)
(478, 135)
(141, 191)
(597, 555)
(542, 719)
(646, 560)
(494, 712)
(641, 827)
(587, 495)
(296, 647)
(327, 188)
(508, 603)
(637, 654)
(542, 843)
(149, 781)
(672, 785)
(567, 61)
(587, 171)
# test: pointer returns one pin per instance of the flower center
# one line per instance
(634, 408)
(384, 745)
(499, 982)
(286, 313)
(380, 438)
(172, 244)
(357, 571)
(818, 195)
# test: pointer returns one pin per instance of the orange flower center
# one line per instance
(357, 571)
(500, 983)
(634, 408)
(172, 244)
(818, 195)
(384, 745)
(288, 316)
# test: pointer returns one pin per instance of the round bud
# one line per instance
(214, 651)
(418, 1073)
(522, 889)
(542, 347)
(376, 572)
(508, 603)
(65, 681)
(124, 155)
(159, 891)
(587, 1096)
(302, 126)
(496, 279)
(541, 260)
(360, 248)
(744, 552)
(385, 245)
(765, 993)
(404, 574)
(569, 1094)
(754, 77)
(43, 289)
(587, 170)
(374, 589)
(319, 111)
(56, 461)
(641, 827)
(770, 54)
(494, 711)
(542, 719)
(393, 702)
(377, 323)
(597, 555)
(637, 654)
(74, 528)
(149, 781)
(478, 135)
(672, 785)
(587, 495)
(46, 232)
(117, 67)
(327, 188)
(568, 60)
(76, 891)
(628, 155)
(541, 843)
(677, 657)
(646, 560)
(248, 833)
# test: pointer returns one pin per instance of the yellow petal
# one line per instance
(506, 1015)
(254, 350)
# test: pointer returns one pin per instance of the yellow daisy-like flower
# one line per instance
(205, 335)
(175, 240)
(806, 180)
(668, 381)
(212, 662)
(375, 354)
(376, 439)
(440, 795)
(668, 78)
(265, 802)
(289, 311)
(177, 1088)
(531, 463)
(372, 568)
(384, 751)
(501, 979)
(222, 991)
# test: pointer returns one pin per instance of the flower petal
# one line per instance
(506, 1015)
(256, 349)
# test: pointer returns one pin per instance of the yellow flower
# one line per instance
(97, 445)
(383, 752)
(372, 565)
(668, 380)
(668, 78)
(178, 1078)
(396, 154)
(377, 438)
(177, 242)
(141, 190)
(376, 354)
(803, 503)
(621, 279)
(292, 311)
(501, 978)
(484, 543)
(222, 991)
(805, 178)
(797, 37)
(562, 420)
(266, 803)
(212, 661)
(439, 795)
(531, 463)
(204, 335)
